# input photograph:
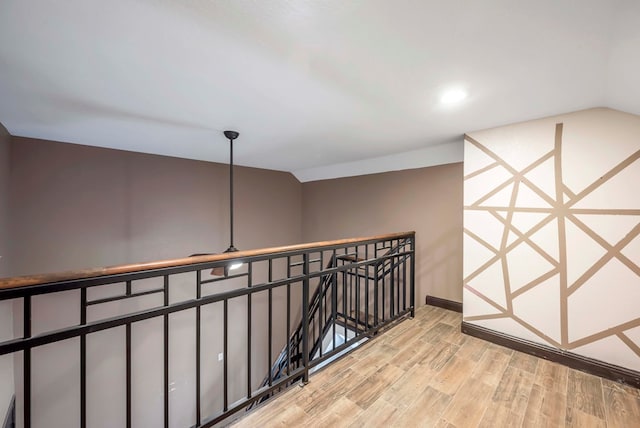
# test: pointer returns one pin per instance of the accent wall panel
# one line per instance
(551, 225)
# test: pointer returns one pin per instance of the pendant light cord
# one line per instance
(231, 194)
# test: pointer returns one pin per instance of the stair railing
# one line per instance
(383, 269)
(247, 316)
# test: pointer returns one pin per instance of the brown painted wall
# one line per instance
(427, 200)
(76, 206)
(6, 310)
(5, 140)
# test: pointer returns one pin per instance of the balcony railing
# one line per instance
(256, 329)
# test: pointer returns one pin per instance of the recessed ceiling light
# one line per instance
(453, 96)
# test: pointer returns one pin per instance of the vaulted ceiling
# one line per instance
(320, 88)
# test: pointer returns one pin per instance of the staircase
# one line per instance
(342, 311)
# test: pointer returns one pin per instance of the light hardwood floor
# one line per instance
(425, 373)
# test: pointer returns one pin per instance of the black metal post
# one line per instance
(83, 359)
(166, 353)
(321, 312)
(288, 316)
(128, 374)
(384, 293)
(392, 289)
(366, 288)
(353, 272)
(270, 350)
(404, 278)
(225, 355)
(198, 334)
(305, 318)
(357, 281)
(249, 279)
(334, 301)
(26, 362)
(412, 278)
(345, 297)
(375, 296)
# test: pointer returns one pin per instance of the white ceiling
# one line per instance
(320, 88)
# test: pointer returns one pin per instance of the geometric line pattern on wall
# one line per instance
(527, 196)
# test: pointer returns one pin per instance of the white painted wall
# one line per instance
(553, 254)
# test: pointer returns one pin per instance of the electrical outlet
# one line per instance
(220, 356)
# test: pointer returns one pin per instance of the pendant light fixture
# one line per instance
(231, 135)
(235, 264)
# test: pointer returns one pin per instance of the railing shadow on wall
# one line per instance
(205, 341)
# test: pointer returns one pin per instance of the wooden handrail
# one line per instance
(41, 279)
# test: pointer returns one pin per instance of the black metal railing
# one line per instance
(364, 284)
(348, 310)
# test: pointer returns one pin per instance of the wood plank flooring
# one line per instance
(425, 373)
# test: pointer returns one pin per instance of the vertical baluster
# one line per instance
(334, 300)
(397, 285)
(288, 316)
(400, 250)
(384, 290)
(305, 318)
(357, 281)
(166, 353)
(198, 325)
(412, 273)
(83, 359)
(225, 354)
(270, 344)
(366, 288)
(26, 362)
(128, 358)
(404, 278)
(392, 288)
(249, 279)
(312, 324)
(375, 289)
(344, 296)
(350, 281)
(128, 374)
(321, 313)
(317, 341)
